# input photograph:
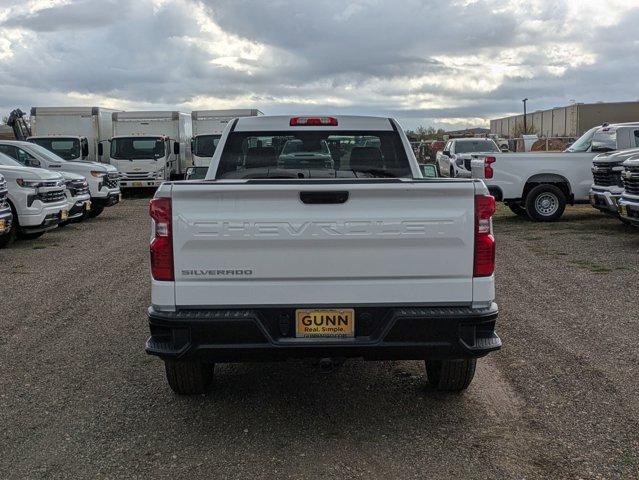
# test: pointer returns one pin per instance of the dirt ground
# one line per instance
(79, 398)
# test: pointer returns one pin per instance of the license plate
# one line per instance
(623, 210)
(119, 197)
(137, 184)
(3, 225)
(87, 206)
(325, 323)
(64, 215)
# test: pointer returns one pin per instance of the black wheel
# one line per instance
(188, 378)
(29, 235)
(545, 203)
(95, 211)
(10, 236)
(451, 375)
(518, 210)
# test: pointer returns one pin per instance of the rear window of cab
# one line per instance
(313, 154)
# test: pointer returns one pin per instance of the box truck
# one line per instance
(148, 148)
(73, 133)
(208, 126)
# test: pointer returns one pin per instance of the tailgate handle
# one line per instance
(323, 198)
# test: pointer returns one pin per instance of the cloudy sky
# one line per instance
(430, 62)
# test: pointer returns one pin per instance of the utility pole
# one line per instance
(525, 122)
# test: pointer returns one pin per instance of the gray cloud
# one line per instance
(422, 61)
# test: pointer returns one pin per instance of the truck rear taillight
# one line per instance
(484, 265)
(488, 169)
(313, 122)
(162, 243)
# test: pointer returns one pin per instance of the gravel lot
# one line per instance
(79, 398)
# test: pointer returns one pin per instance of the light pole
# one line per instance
(525, 123)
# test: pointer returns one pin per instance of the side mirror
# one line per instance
(176, 148)
(33, 162)
(446, 153)
(428, 170)
(85, 149)
(100, 149)
(189, 172)
(504, 149)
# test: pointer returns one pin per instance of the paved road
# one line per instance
(80, 399)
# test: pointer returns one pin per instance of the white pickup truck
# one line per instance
(540, 184)
(364, 257)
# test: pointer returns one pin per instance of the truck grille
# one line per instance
(50, 197)
(605, 177)
(3, 191)
(138, 176)
(77, 187)
(112, 180)
(631, 180)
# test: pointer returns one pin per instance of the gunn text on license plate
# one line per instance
(337, 323)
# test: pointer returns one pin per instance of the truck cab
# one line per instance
(145, 160)
(69, 148)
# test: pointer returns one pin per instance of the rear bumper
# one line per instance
(267, 334)
(605, 200)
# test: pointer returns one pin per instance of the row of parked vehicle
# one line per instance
(40, 191)
(146, 147)
(600, 168)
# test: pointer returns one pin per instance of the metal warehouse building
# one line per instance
(570, 121)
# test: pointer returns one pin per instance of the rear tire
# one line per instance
(95, 211)
(518, 210)
(545, 203)
(451, 375)
(188, 378)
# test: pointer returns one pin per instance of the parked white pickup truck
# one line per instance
(540, 184)
(6, 216)
(629, 201)
(103, 180)
(36, 198)
(265, 260)
(454, 160)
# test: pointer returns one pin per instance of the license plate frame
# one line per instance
(87, 206)
(325, 323)
(137, 184)
(64, 214)
(4, 225)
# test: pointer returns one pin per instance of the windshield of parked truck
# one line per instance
(604, 140)
(583, 143)
(137, 148)
(315, 154)
(205, 145)
(43, 152)
(67, 148)
(476, 146)
(7, 161)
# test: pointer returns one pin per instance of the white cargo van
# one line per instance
(148, 148)
(73, 133)
(208, 126)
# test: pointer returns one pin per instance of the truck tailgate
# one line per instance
(258, 243)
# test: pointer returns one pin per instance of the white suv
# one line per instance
(6, 217)
(36, 197)
(103, 180)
